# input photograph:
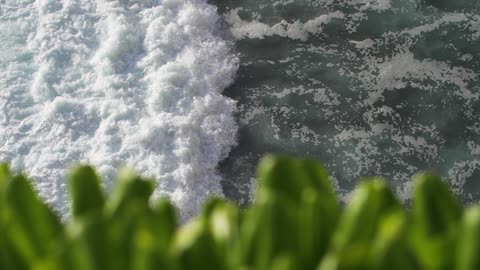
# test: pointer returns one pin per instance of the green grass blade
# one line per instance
(129, 189)
(164, 223)
(4, 256)
(85, 191)
(317, 218)
(290, 177)
(88, 237)
(195, 248)
(121, 232)
(72, 256)
(153, 237)
(268, 230)
(286, 262)
(436, 215)
(359, 225)
(146, 253)
(4, 176)
(436, 210)
(318, 179)
(304, 188)
(34, 229)
(372, 200)
(467, 255)
(389, 249)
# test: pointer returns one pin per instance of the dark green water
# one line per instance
(385, 88)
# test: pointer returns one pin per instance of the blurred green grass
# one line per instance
(294, 223)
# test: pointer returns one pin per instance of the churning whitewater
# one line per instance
(114, 83)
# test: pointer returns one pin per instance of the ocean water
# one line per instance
(114, 83)
(194, 92)
(369, 87)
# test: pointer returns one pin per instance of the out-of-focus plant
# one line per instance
(294, 223)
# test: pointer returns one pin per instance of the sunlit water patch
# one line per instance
(116, 83)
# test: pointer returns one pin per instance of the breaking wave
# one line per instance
(113, 83)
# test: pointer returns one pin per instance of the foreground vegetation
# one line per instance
(295, 223)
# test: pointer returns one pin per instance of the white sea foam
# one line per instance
(115, 83)
(296, 30)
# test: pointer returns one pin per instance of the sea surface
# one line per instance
(368, 87)
(194, 92)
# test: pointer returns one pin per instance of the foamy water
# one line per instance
(115, 83)
(368, 87)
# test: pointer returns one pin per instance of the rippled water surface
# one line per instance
(383, 88)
